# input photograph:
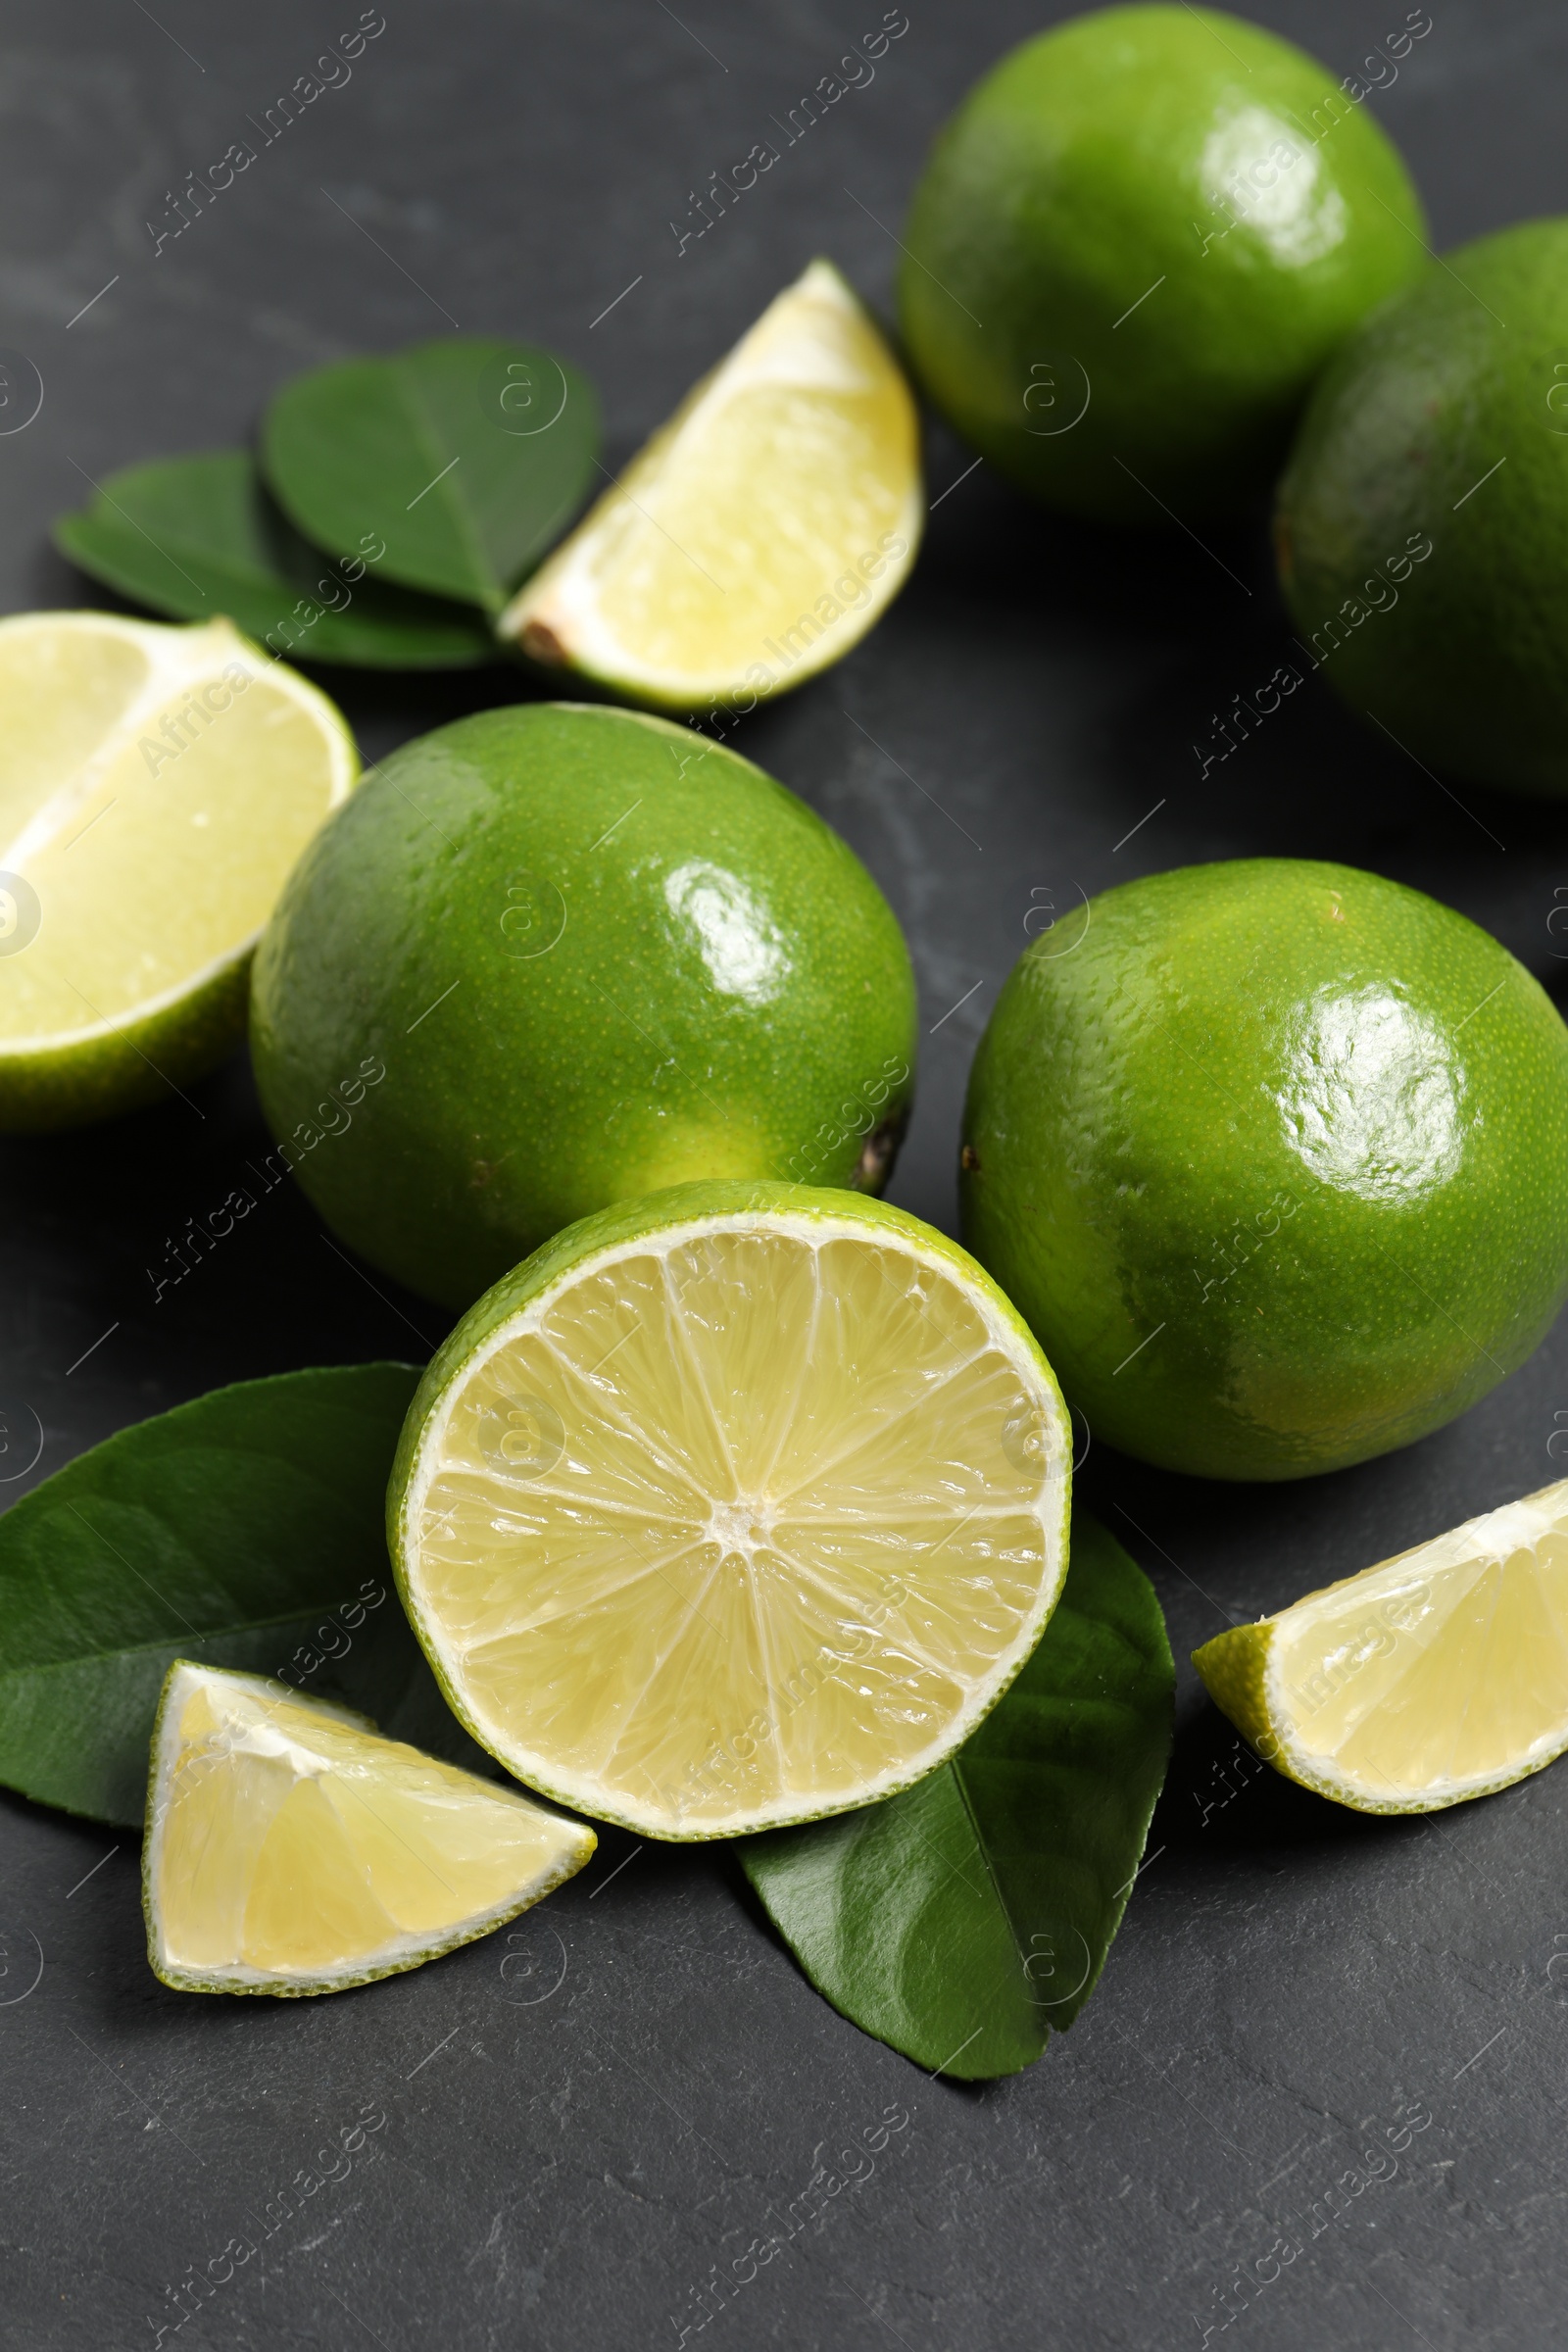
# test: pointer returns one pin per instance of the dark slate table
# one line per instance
(1329, 2053)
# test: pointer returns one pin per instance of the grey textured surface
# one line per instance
(1331, 2051)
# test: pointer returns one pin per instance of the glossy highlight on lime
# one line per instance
(1273, 1156)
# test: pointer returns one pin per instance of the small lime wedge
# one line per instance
(1439, 1675)
(760, 533)
(291, 1849)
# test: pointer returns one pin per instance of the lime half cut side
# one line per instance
(155, 785)
(291, 1849)
(735, 1506)
(1439, 1675)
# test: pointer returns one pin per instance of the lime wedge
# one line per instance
(291, 1849)
(734, 1505)
(1439, 1675)
(758, 534)
(155, 785)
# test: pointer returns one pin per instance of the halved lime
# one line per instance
(734, 1505)
(291, 1849)
(1439, 1675)
(155, 785)
(758, 534)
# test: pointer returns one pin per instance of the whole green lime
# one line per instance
(1273, 1157)
(1422, 523)
(557, 956)
(1134, 247)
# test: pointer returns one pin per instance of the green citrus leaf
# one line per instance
(467, 455)
(966, 1919)
(243, 1530)
(198, 536)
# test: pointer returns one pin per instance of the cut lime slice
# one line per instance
(155, 785)
(734, 1505)
(1439, 1675)
(291, 1849)
(760, 533)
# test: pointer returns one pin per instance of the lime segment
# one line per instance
(760, 533)
(1439, 1675)
(291, 1849)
